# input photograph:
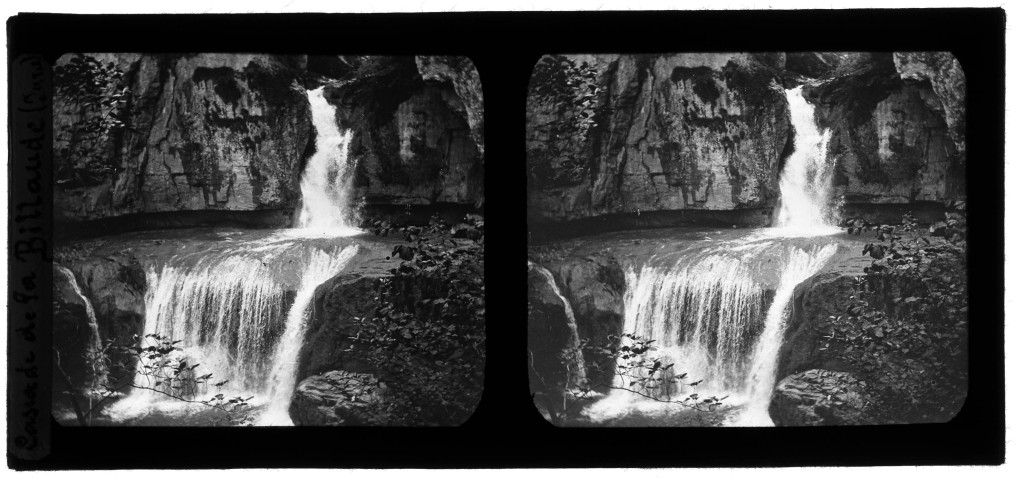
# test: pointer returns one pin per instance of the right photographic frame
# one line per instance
(747, 239)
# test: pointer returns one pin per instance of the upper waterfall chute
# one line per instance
(806, 180)
(326, 183)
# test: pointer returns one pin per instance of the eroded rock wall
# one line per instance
(417, 127)
(628, 134)
(232, 132)
(676, 132)
(897, 128)
(204, 132)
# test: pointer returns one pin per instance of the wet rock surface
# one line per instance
(692, 131)
(548, 336)
(332, 324)
(617, 137)
(594, 285)
(204, 132)
(232, 132)
(819, 397)
(340, 398)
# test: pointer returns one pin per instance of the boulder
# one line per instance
(819, 397)
(341, 398)
(815, 301)
(338, 302)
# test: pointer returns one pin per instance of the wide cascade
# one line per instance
(719, 312)
(240, 311)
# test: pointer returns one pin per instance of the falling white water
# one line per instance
(225, 311)
(704, 314)
(96, 346)
(327, 181)
(96, 338)
(800, 266)
(806, 180)
(228, 310)
(321, 266)
(712, 315)
(577, 372)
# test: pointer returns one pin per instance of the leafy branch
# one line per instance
(94, 91)
(157, 369)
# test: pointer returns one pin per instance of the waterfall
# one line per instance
(228, 310)
(96, 345)
(800, 266)
(322, 266)
(806, 180)
(577, 372)
(327, 181)
(719, 315)
(97, 340)
(703, 312)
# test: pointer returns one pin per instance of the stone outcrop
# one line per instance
(204, 132)
(339, 398)
(945, 74)
(623, 134)
(815, 301)
(548, 336)
(819, 397)
(461, 73)
(332, 324)
(615, 137)
(115, 285)
(896, 136)
(594, 286)
(212, 135)
(417, 129)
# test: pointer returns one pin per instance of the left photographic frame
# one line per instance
(260, 239)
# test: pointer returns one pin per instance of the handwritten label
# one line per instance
(30, 259)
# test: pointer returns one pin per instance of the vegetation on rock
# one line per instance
(148, 363)
(96, 94)
(906, 328)
(426, 339)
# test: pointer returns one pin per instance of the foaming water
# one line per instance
(717, 313)
(800, 265)
(806, 181)
(321, 266)
(230, 313)
(325, 185)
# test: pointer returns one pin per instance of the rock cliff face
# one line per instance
(622, 134)
(697, 133)
(897, 135)
(417, 127)
(229, 133)
(203, 132)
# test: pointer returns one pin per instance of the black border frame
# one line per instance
(506, 430)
